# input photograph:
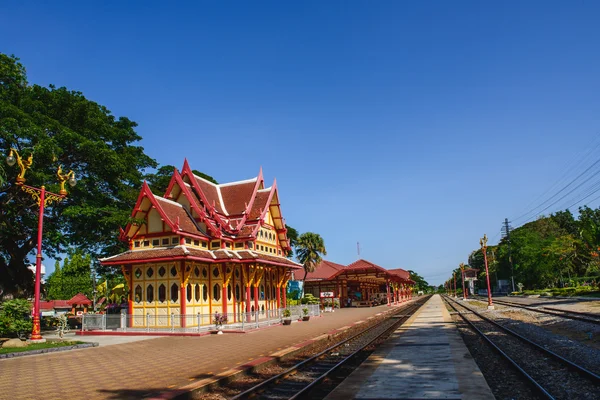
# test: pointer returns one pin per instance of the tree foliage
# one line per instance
(15, 318)
(75, 276)
(310, 249)
(553, 251)
(62, 127)
(420, 282)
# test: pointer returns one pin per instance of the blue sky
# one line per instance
(410, 127)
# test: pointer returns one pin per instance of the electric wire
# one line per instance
(571, 166)
(560, 199)
(535, 213)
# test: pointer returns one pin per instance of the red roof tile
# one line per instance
(237, 196)
(325, 270)
(79, 299)
(260, 203)
(181, 252)
(401, 273)
(211, 193)
(176, 213)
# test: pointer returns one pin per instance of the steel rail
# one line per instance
(571, 364)
(294, 369)
(561, 313)
(531, 380)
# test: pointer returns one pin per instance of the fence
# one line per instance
(190, 323)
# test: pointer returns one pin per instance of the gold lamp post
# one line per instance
(483, 243)
(43, 199)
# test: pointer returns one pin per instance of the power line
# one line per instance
(571, 166)
(560, 191)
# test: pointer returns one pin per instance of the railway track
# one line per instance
(305, 377)
(575, 315)
(550, 374)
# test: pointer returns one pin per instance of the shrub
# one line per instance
(287, 313)
(15, 318)
(305, 311)
(309, 299)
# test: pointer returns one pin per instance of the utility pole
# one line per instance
(506, 230)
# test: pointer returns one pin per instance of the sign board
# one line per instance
(326, 294)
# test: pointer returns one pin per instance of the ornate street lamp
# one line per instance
(483, 243)
(43, 199)
(462, 272)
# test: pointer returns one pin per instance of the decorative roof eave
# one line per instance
(177, 179)
(147, 193)
(282, 229)
(259, 182)
(187, 171)
(116, 261)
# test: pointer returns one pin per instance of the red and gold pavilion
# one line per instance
(203, 248)
(359, 283)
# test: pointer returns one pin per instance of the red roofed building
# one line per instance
(203, 248)
(361, 283)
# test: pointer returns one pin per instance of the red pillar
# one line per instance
(388, 294)
(130, 297)
(182, 296)
(284, 289)
(256, 297)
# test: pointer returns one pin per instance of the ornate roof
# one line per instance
(195, 207)
(327, 270)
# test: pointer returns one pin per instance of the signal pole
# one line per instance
(506, 229)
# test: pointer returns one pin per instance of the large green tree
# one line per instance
(75, 276)
(310, 250)
(62, 127)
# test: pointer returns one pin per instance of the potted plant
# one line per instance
(219, 320)
(328, 307)
(305, 316)
(287, 317)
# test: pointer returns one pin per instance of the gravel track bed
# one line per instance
(504, 382)
(556, 378)
(245, 382)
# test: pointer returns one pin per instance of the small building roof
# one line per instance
(53, 305)
(324, 271)
(80, 299)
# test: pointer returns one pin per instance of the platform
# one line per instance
(165, 365)
(424, 359)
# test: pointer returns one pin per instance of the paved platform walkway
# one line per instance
(138, 369)
(425, 359)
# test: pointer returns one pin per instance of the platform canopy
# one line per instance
(361, 271)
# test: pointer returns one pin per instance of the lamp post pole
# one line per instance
(483, 243)
(43, 198)
(462, 272)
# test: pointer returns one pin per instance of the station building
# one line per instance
(359, 284)
(203, 248)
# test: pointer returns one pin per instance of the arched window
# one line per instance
(138, 273)
(204, 272)
(216, 272)
(197, 292)
(251, 292)
(162, 293)
(237, 292)
(150, 272)
(174, 293)
(217, 292)
(197, 271)
(138, 294)
(262, 292)
(188, 291)
(150, 293)
(205, 293)
(162, 271)
(229, 292)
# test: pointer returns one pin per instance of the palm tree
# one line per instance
(309, 249)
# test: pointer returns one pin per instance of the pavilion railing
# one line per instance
(190, 323)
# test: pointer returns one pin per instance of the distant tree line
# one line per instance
(554, 251)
